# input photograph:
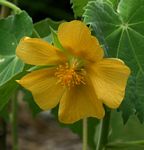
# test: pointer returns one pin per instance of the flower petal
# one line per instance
(80, 102)
(42, 84)
(76, 37)
(35, 51)
(109, 78)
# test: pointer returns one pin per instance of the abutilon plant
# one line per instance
(81, 70)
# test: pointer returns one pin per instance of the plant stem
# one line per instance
(36, 33)
(2, 134)
(103, 132)
(14, 121)
(126, 144)
(10, 5)
(85, 133)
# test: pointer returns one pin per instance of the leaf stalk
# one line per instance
(103, 132)
(85, 134)
(10, 5)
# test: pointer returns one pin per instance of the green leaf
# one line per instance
(139, 102)
(5, 93)
(31, 103)
(8, 89)
(114, 3)
(42, 28)
(128, 105)
(12, 29)
(122, 33)
(121, 136)
(55, 39)
(78, 6)
(77, 128)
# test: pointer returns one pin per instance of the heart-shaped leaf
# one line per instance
(122, 33)
(12, 29)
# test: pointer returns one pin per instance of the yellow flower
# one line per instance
(80, 79)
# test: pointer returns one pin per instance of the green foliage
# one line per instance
(5, 93)
(128, 105)
(78, 7)
(8, 89)
(12, 29)
(122, 33)
(114, 3)
(43, 30)
(55, 40)
(125, 137)
(31, 103)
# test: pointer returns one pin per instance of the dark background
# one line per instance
(41, 9)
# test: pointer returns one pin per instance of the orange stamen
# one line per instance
(69, 76)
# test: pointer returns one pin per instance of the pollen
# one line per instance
(69, 75)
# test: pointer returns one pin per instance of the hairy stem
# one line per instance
(10, 5)
(85, 134)
(103, 132)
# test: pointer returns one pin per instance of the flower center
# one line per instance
(70, 75)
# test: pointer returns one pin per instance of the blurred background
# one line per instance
(41, 9)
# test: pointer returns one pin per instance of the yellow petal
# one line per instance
(35, 51)
(42, 84)
(76, 37)
(109, 78)
(80, 102)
